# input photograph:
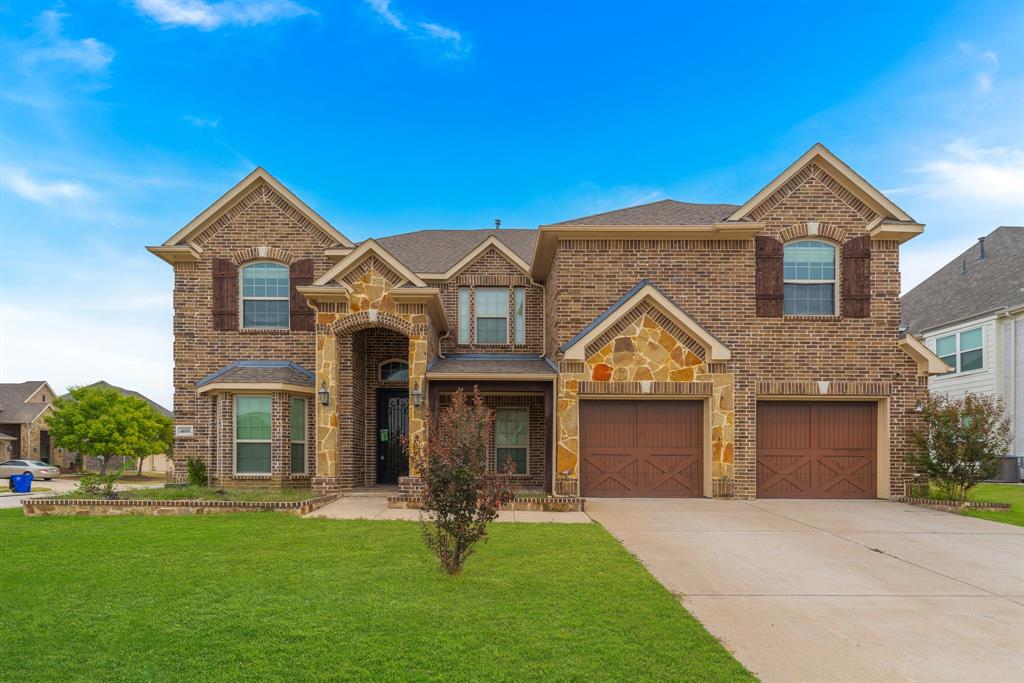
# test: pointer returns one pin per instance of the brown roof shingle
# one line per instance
(435, 251)
(260, 372)
(664, 212)
(488, 364)
(13, 409)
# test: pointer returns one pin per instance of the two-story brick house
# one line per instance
(669, 349)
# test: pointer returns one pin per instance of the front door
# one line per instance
(392, 425)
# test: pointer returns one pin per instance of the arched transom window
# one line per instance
(809, 278)
(394, 371)
(265, 295)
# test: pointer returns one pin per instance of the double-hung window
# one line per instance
(491, 315)
(252, 434)
(962, 351)
(809, 278)
(265, 296)
(510, 438)
(298, 433)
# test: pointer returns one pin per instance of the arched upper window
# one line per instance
(394, 371)
(265, 295)
(809, 278)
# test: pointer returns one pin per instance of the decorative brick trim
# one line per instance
(657, 245)
(71, 506)
(953, 505)
(571, 367)
(356, 322)
(645, 308)
(263, 191)
(717, 368)
(834, 389)
(825, 230)
(637, 388)
(809, 172)
(260, 253)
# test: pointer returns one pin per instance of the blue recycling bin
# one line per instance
(22, 483)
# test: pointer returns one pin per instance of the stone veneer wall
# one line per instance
(261, 219)
(713, 281)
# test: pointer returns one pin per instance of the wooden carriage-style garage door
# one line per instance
(820, 449)
(634, 449)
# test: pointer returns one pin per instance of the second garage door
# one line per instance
(634, 449)
(820, 449)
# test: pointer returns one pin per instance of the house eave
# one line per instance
(898, 232)
(178, 253)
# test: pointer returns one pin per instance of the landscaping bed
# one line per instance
(275, 597)
(994, 502)
(187, 500)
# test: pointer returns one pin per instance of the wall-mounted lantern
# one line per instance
(417, 395)
(325, 396)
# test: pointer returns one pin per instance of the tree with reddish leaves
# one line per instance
(462, 494)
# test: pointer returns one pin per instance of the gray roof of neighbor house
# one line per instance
(664, 212)
(128, 392)
(13, 409)
(260, 372)
(969, 286)
(435, 251)
(470, 364)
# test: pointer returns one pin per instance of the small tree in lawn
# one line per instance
(960, 442)
(461, 495)
(102, 422)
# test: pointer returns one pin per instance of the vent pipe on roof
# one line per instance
(981, 248)
(963, 267)
(497, 224)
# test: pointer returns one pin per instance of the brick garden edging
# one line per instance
(523, 504)
(952, 505)
(100, 507)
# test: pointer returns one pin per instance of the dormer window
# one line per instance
(265, 296)
(809, 278)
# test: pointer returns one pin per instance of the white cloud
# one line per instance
(88, 54)
(384, 11)
(968, 171)
(986, 63)
(200, 122)
(207, 16)
(24, 185)
(445, 34)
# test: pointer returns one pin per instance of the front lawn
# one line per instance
(999, 493)
(270, 596)
(206, 493)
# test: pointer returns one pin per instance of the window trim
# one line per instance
(292, 441)
(958, 351)
(526, 444)
(477, 316)
(380, 369)
(834, 282)
(235, 440)
(242, 298)
(518, 320)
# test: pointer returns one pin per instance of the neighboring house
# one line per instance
(971, 313)
(669, 349)
(23, 410)
(155, 463)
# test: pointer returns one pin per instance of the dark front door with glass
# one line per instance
(392, 425)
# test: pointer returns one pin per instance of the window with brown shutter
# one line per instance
(857, 277)
(768, 277)
(301, 274)
(225, 295)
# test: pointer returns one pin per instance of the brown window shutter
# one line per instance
(768, 277)
(225, 295)
(857, 277)
(300, 275)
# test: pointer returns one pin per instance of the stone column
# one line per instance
(327, 461)
(417, 380)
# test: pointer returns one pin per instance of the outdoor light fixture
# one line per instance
(417, 395)
(325, 396)
(919, 407)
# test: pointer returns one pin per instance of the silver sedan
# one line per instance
(39, 469)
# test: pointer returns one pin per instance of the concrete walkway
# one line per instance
(839, 590)
(351, 507)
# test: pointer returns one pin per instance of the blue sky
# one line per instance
(120, 121)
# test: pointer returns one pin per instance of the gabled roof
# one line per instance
(968, 286)
(837, 169)
(574, 349)
(128, 392)
(222, 205)
(436, 251)
(259, 374)
(14, 408)
(368, 247)
(663, 212)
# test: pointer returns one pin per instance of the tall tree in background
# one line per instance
(101, 422)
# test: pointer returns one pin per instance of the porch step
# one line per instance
(371, 492)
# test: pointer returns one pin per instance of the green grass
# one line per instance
(999, 493)
(205, 493)
(263, 596)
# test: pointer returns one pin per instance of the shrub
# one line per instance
(197, 473)
(960, 442)
(97, 485)
(461, 496)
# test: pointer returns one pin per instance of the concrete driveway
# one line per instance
(838, 590)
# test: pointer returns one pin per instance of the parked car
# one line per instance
(39, 470)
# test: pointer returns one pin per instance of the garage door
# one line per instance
(641, 448)
(816, 450)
